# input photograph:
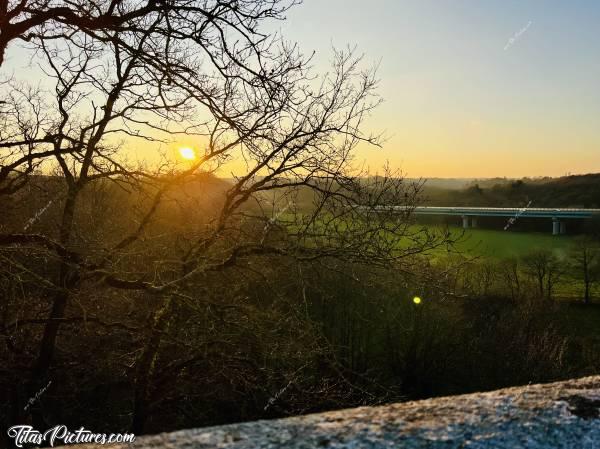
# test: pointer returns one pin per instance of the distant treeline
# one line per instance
(569, 191)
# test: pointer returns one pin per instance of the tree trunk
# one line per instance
(146, 365)
(586, 277)
(541, 286)
(67, 279)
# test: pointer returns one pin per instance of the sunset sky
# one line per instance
(460, 99)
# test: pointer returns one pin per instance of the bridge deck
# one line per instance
(505, 212)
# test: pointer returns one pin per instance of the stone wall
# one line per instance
(558, 415)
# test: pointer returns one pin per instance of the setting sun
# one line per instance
(187, 153)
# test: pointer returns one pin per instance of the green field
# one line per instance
(497, 245)
(491, 243)
(503, 244)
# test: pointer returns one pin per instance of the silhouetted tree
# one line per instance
(128, 75)
(544, 269)
(585, 257)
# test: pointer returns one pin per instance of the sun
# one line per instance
(187, 153)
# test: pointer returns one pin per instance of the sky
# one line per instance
(472, 88)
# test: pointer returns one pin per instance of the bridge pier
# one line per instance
(558, 226)
(469, 222)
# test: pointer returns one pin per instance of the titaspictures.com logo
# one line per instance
(59, 435)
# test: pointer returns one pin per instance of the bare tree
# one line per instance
(544, 269)
(28, 20)
(212, 50)
(585, 258)
(127, 75)
(509, 272)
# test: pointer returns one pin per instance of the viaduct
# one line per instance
(469, 215)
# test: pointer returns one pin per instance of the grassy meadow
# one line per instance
(500, 244)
